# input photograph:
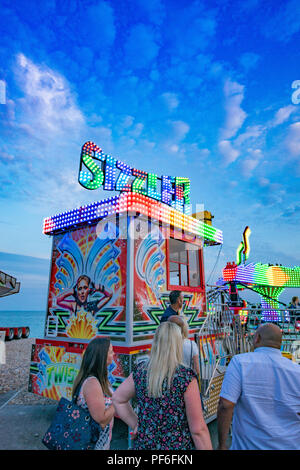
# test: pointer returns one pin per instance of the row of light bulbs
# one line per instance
(132, 202)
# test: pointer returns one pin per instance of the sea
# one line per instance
(35, 319)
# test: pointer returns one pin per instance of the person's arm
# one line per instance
(63, 303)
(121, 400)
(197, 425)
(107, 297)
(224, 417)
(196, 365)
(93, 395)
(230, 392)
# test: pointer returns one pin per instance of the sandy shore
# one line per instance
(14, 375)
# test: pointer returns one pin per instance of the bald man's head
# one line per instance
(268, 335)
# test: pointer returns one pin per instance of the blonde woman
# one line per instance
(190, 349)
(167, 394)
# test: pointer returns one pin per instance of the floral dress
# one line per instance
(162, 422)
(103, 442)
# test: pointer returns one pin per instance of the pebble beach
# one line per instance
(14, 374)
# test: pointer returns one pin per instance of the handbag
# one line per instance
(72, 428)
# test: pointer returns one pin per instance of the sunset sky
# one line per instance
(195, 89)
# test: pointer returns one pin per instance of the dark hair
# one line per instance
(94, 363)
(174, 295)
(83, 276)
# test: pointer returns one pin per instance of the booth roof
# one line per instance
(132, 203)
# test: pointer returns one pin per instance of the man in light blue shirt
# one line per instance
(261, 389)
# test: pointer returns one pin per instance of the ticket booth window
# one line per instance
(184, 265)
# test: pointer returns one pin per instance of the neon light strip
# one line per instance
(263, 274)
(132, 202)
(246, 235)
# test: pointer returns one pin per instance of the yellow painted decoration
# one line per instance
(82, 326)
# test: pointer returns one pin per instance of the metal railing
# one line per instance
(221, 336)
(227, 331)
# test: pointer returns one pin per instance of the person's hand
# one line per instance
(133, 433)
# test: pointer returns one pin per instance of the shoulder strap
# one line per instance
(76, 393)
(191, 358)
(78, 388)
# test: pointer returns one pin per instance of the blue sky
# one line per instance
(195, 89)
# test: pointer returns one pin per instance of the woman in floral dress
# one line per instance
(95, 393)
(168, 400)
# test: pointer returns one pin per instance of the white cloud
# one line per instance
(127, 121)
(263, 181)
(249, 60)
(136, 130)
(252, 160)
(203, 153)
(48, 102)
(141, 47)
(170, 100)
(68, 193)
(6, 157)
(179, 130)
(174, 137)
(251, 132)
(283, 115)
(229, 153)
(270, 193)
(293, 140)
(235, 115)
(173, 148)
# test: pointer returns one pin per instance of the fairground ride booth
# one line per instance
(8, 285)
(113, 265)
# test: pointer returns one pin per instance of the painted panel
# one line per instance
(53, 368)
(87, 291)
(151, 296)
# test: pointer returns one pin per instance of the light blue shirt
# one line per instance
(265, 387)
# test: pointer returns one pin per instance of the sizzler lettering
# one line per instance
(100, 170)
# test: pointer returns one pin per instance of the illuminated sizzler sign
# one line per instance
(100, 170)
